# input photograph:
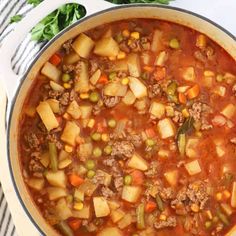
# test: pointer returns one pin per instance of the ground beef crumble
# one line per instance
(110, 101)
(169, 222)
(122, 149)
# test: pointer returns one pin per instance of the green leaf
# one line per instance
(15, 18)
(139, 1)
(34, 2)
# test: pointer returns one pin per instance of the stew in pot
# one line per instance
(130, 129)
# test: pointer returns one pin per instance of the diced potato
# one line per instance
(172, 177)
(95, 77)
(157, 39)
(88, 187)
(82, 82)
(233, 195)
(170, 112)
(83, 45)
(83, 213)
(157, 110)
(208, 81)
(71, 58)
(107, 177)
(161, 58)
(79, 195)
(189, 74)
(191, 147)
(63, 210)
(51, 71)
(64, 163)
(115, 89)
(70, 132)
(44, 159)
(141, 104)
(113, 205)
(182, 89)
(57, 179)
(229, 111)
(232, 231)
(54, 104)
(220, 151)
(86, 111)
(166, 128)
(137, 162)
(125, 221)
(56, 87)
(193, 167)
(85, 150)
(56, 193)
(129, 98)
(134, 67)
(47, 116)
(74, 110)
(120, 65)
(131, 193)
(148, 232)
(163, 153)
(107, 47)
(36, 183)
(146, 58)
(137, 87)
(101, 207)
(220, 90)
(110, 231)
(117, 215)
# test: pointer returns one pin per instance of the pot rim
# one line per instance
(12, 103)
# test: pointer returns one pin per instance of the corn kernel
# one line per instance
(126, 33)
(226, 194)
(84, 95)
(112, 58)
(66, 116)
(68, 148)
(219, 196)
(67, 85)
(105, 137)
(129, 42)
(91, 123)
(135, 35)
(185, 112)
(198, 134)
(125, 81)
(78, 206)
(209, 73)
(121, 55)
(195, 207)
(209, 214)
(201, 41)
(163, 217)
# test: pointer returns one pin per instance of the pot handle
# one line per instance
(13, 40)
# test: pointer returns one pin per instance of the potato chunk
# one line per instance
(82, 82)
(47, 116)
(229, 111)
(36, 183)
(172, 177)
(101, 207)
(117, 215)
(233, 195)
(157, 110)
(191, 147)
(137, 87)
(193, 167)
(57, 179)
(157, 40)
(110, 231)
(74, 110)
(189, 74)
(51, 71)
(131, 193)
(62, 209)
(166, 128)
(70, 133)
(134, 67)
(137, 162)
(83, 213)
(115, 89)
(56, 193)
(83, 45)
(129, 98)
(107, 47)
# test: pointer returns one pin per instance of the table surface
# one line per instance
(219, 11)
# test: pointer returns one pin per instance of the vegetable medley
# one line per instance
(129, 130)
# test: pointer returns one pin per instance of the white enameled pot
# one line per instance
(17, 87)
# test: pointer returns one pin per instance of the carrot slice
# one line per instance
(103, 79)
(148, 68)
(150, 206)
(75, 180)
(137, 177)
(74, 224)
(150, 132)
(193, 92)
(182, 98)
(55, 59)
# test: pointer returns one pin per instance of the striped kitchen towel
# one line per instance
(20, 62)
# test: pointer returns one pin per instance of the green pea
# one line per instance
(90, 164)
(208, 224)
(97, 152)
(174, 43)
(96, 136)
(127, 179)
(112, 75)
(108, 150)
(150, 142)
(91, 174)
(94, 97)
(65, 77)
(112, 123)
(219, 78)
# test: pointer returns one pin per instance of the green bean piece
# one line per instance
(53, 155)
(65, 77)
(119, 37)
(150, 142)
(174, 43)
(65, 229)
(140, 217)
(96, 136)
(91, 174)
(97, 152)
(108, 150)
(90, 164)
(112, 123)
(171, 89)
(222, 217)
(182, 144)
(94, 97)
(159, 203)
(127, 179)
